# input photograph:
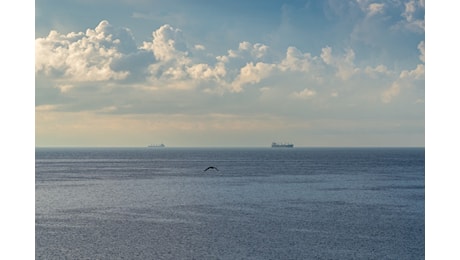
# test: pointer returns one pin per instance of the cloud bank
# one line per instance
(77, 58)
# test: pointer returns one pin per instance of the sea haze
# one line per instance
(272, 203)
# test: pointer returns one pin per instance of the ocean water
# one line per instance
(300, 203)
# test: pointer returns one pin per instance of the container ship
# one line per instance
(282, 145)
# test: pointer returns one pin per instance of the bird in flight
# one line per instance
(211, 167)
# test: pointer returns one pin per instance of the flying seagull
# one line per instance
(211, 167)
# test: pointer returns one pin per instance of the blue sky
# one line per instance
(230, 73)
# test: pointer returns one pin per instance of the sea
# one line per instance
(260, 203)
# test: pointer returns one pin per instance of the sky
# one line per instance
(340, 73)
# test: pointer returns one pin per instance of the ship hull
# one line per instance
(275, 145)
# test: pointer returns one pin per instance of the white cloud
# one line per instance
(407, 78)
(414, 21)
(410, 8)
(65, 88)
(175, 68)
(421, 47)
(344, 65)
(295, 60)
(374, 72)
(204, 71)
(246, 49)
(222, 58)
(69, 59)
(45, 108)
(168, 44)
(251, 74)
(375, 8)
(200, 47)
(79, 56)
(392, 92)
(326, 55)
(417, 73)
(259, 50)
(304, 94)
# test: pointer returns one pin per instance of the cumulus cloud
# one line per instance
(304, 94)
(421, 48)
(200, 47)
(295, 60)
(370, 9)
(412, 12)
(407, 78)
(375, 8)
(168, 44)
(245, 50)
(417, 73)
(251, 74)
(414, 15)
(80, 56)
(175, 64)
(259, 50)
(206, 72)
(175, 67)
(374, 72)
(344, 65)
(167, 62)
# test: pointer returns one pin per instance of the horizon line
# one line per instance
(223, 146)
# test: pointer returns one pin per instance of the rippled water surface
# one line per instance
(146, 203)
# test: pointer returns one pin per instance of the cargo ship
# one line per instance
(282, 145)
(156, 146)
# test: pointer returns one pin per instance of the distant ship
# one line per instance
(156, 146)
(282, 145)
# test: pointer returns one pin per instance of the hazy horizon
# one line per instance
(235, 146)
